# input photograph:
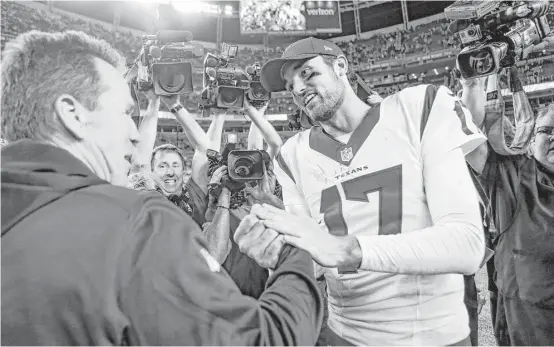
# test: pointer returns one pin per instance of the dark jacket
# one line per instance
(88, 263)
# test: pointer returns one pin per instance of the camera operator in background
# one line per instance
(515, 168)
(231, 201)
(166, 164)
(516, 171)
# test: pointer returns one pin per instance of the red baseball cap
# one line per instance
(307, 48)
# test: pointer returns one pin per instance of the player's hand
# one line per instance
(305, 233)
(258, 242)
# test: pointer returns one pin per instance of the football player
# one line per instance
(381, 198)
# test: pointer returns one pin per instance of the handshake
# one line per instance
(263, 233)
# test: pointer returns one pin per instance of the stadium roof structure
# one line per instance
(356, 17)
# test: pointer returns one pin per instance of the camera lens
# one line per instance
(228, 95)
(244, 167)
(172, 78)
(258, 90)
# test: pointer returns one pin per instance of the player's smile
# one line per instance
(309, 98)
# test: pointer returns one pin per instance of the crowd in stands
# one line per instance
(423, 39)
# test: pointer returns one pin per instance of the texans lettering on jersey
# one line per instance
(374, 184)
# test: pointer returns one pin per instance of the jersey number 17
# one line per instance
(387, 182)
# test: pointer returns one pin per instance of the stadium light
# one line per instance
(195, 7)
(228, 10)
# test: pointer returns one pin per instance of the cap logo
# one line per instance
(327, 48)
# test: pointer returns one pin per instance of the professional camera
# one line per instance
(496, 34)
(257, 95)
(224, 84)
(242, 165)
(163, 62)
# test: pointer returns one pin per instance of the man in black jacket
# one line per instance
(85, 262)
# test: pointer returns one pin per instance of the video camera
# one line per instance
(224, 84)
(163, 62)
(496, 34)
(257, 95)
(242, 165)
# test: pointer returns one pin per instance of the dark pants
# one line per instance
(472, 304)
(518, 323)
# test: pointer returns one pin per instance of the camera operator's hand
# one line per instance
(218, 194)
(546, 44)
(170, 101)
(263, 193)
(259, 243)
(374, 99)
(217, 181)
(249, 108)
(478, 82)
(151, 96)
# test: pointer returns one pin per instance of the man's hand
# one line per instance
(151, 96)
(249, 108)
(479, 83)
(219, 175)
(374, 99)
(258, 196)
(169, 101)
(258, 242)
(546, 44)
(305, 233)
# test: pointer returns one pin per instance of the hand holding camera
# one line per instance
(163, 64)
(495, 35)
(227, 86)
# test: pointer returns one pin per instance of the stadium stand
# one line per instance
(405, 57)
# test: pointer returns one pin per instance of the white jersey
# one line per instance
(375, 185)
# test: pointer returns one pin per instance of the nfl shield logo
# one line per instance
(346, 154)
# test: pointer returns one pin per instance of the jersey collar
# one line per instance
(322, 142)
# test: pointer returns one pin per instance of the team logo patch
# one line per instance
(210, 260)
(346, 154)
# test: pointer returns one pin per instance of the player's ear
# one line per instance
(341, 65)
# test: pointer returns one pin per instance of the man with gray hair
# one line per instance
(85, 262)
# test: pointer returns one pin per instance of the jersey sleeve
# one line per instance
(445, 125)
(174, 293)
(455, 241)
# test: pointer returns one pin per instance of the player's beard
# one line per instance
(330, 101)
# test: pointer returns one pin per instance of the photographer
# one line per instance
(519, 188)
(167, 164)
(228, 203)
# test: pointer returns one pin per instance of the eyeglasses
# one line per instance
(548, 130)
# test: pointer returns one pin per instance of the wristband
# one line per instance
(176, 108)
(225, 207)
